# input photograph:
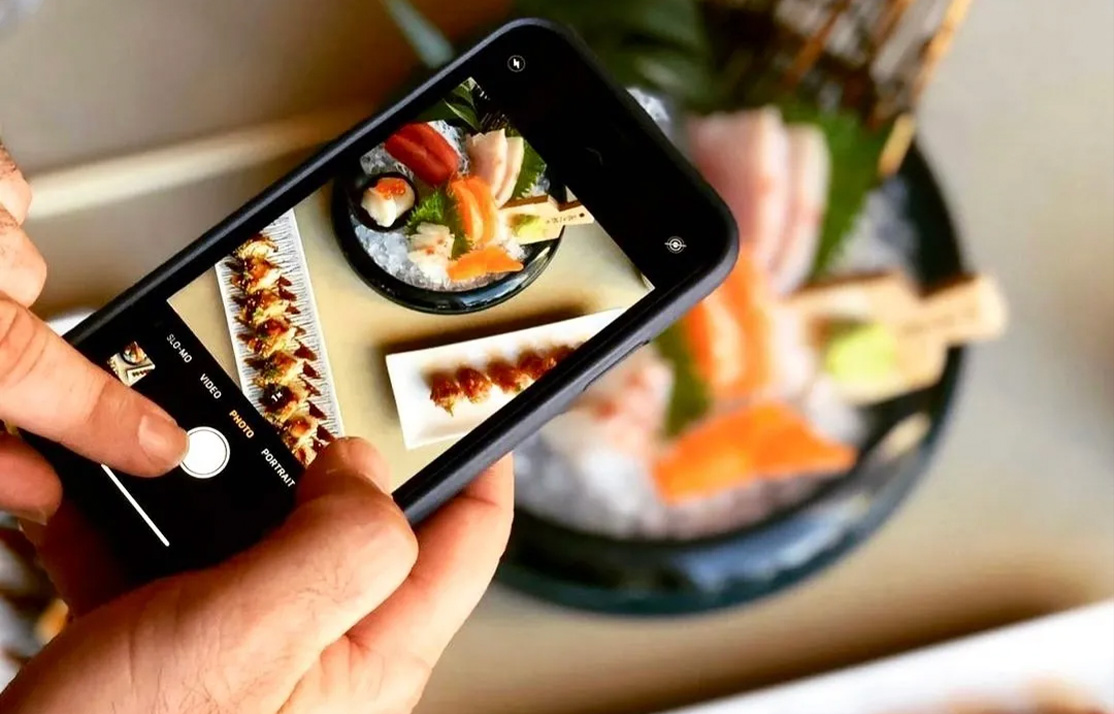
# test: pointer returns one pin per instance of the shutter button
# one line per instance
(208, 452)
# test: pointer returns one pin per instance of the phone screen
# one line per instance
(412, 296)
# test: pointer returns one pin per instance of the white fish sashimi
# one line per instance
(746, 157)
(516, 153)
(831, 414)
(489, 157)
(626, 410)
(431, 249)
(810, 169)
(797, 363)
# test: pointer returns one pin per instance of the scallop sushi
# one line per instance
(387, 201)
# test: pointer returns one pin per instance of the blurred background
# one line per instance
(141, 124)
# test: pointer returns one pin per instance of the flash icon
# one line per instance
(675, 245)
(516, 63)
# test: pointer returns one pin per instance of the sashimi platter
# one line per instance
(455, 213)
(753, 438)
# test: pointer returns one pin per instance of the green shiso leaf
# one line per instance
(533, 166)
(458, 107)
(654, 44)
(431, 209)
(855, 152)
(690, 400)
(439, 208)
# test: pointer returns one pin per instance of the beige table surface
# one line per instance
(1016, 516)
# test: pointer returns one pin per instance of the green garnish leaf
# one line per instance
(672, 23)
(493, 120)
(533, 166)
(439, 208)
(461, 244)
(855, 151)
(431, 209)
(658, 44)
(690, 400)
(458, 107)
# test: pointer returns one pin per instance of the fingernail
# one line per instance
(162, 439)
(358, 456)
(33, 530)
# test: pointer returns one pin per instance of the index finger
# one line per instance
(48, 388)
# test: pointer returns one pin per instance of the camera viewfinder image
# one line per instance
(131, 364)
(420, 290)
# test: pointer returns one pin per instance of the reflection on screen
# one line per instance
(412, 297)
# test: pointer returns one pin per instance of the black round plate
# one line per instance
(345, 209)
(672, 577)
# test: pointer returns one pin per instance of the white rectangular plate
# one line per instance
(423, 422)
(998, 669)
(291, 261)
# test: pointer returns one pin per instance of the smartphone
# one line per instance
(441, 280)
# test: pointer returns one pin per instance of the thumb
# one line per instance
(251, 626)
(343, 551)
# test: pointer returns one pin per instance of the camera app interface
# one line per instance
(406, 301)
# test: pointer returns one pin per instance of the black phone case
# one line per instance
(449, 474)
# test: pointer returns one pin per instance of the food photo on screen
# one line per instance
(421, 290)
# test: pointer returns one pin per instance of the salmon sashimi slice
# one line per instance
(485, 261)
(468, 206)
(763, 441)
(489, 213)
(730, 334)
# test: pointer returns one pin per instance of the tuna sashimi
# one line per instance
(810, 166)
(745, 156)
(762, 441)
(489, 157)
(422, 148)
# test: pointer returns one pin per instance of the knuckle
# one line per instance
(39, 271)
(98, 400)
(15, 192)
(22, 343)
(382, 526)
(381, 534)
(370, 541)
(11, 235)
(9, 170)
(8, 224)
(19, 257)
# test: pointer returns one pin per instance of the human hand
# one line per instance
(48, 388)
(341, 610)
